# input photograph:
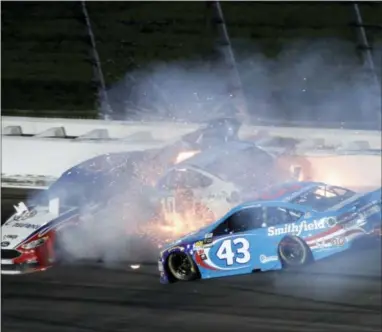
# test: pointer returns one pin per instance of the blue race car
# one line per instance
(288, 225)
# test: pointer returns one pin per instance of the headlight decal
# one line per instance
(35, 243)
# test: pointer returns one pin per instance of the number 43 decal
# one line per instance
(241, 254)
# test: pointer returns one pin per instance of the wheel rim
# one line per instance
(292, 251)
(180, 265)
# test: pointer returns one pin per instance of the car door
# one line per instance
(232, 244)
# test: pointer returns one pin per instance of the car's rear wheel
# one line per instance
(293, 252)
(182, 266)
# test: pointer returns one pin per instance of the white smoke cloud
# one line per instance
(111, 234)
(308, 81)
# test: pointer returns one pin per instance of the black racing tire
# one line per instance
(294, 252)
(182, 267)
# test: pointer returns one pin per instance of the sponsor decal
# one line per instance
(207, 241)
(11, 237)
(198, 244)
(208, 238)
(331, 221)
(201, 254)
(5, 244)
(297, 229)
(26, 225)
(267, 259)
(360, 217)
(330, 243)
(25, 215)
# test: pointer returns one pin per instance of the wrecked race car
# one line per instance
(79, 217)
(143, 198)
(204, 187)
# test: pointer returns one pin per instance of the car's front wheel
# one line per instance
(293, 252)
(182, 266)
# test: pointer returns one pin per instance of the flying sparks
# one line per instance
(182, 216)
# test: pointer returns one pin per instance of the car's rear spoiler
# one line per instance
(370, 196)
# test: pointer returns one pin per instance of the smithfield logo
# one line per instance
(297, 229)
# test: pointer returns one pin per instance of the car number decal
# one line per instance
(229, 251)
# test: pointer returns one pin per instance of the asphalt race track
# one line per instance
(340, 294)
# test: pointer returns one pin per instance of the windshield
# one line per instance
(323, 197)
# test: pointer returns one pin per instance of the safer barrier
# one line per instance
(42, 156)
(74, 128)
(28, 181)
(101, 130)
(51, 157)
(352, 170)
(327, 137)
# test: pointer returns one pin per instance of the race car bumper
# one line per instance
(19, 262)
(163, 277)
(9, 267)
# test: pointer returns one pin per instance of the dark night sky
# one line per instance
(45, 46)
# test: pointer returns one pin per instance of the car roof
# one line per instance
(284, 199)
(286, 191)
(297, 189)
(267, 203)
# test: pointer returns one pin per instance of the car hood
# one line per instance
(190, 237)
(14, 231)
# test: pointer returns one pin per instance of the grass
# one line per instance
(46, 65)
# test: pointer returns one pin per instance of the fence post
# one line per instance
(97, 66)
(225, 48)
(368, 60)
